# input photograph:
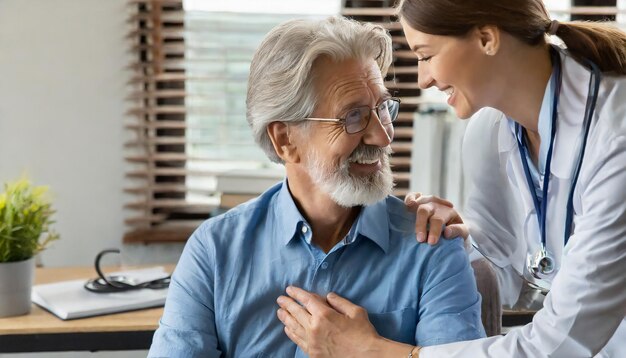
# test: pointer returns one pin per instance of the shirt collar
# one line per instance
(286, 215)
(371, 223)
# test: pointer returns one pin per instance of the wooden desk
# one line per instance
(41, 331)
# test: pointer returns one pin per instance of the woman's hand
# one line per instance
(432, 214)
(334, 327)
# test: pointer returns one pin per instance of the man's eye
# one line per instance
(424, 59)
(353, 116)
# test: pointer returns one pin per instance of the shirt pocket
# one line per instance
(398, 325)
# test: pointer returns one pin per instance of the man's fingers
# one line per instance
(292, 307)
(290, 322)
(312, 302)
(456, 230)
(296, 339)
(343, 306)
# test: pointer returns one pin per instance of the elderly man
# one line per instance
(317, 103)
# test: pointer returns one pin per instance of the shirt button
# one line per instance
(305, 229)
(324, 265)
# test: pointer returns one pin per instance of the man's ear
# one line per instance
(489, 39)
(281, 140)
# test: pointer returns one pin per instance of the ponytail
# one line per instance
(601, 43)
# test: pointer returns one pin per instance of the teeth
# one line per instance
(364, 161)
(449, 91)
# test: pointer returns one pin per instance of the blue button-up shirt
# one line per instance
(222, 299)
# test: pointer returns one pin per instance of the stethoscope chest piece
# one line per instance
(541, 265)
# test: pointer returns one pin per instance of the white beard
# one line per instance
(348, 190)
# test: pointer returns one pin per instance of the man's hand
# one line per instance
(327, 328)
(432, 214)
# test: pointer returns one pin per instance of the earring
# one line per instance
(488, 52)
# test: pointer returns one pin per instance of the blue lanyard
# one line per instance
(541, 208)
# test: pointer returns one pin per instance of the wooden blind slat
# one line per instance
(401, 147)
(169, 172)
(156, 2)
(159, 234)
(403, 132)
(169, 203)
(143, 220)
(400, 161)
(169, 16)
(172, 77)
(157, 94)
(403, 70)
(166, 33)
(157, 124)
(163, 188)
(401, 85)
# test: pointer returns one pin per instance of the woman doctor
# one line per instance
(545, 153)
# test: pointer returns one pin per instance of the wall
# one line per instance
(63, 80)
(62, 87)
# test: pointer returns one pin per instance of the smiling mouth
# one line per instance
(366, 161)
(449, 91)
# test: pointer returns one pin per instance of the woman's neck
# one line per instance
(525, 88)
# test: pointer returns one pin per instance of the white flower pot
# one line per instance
(16, 281)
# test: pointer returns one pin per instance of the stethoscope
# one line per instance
(111, 284)
(541, 265)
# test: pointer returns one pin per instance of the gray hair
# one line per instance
(280, 86)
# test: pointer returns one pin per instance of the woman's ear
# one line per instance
(281, 140)
(489, 37)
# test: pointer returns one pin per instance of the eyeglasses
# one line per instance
(108, 284)
(357, 119)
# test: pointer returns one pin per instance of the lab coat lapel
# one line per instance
(571, 112)
(509, 157)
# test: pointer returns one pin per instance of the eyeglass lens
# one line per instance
(357, 119)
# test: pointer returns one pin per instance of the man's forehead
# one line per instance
(350, 77)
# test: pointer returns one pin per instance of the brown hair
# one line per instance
(527, 20)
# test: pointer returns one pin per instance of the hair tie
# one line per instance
(553, 28)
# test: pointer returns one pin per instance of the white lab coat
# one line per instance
(584, 313)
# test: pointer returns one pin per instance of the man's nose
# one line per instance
(376, 133)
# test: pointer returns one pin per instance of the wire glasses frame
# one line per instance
(357, 119)
(109, 284)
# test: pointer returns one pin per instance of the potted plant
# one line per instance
(25, 217)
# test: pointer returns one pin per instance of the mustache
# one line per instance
(369, 152)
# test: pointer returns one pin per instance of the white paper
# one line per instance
(70, 299)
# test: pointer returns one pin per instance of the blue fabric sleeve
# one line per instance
(449, 300)
(187, 328)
